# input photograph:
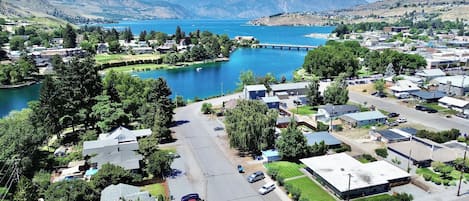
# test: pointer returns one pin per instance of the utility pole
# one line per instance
(410, 153)
(461, 170)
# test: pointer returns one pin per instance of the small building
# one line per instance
(254, 92)
(143, 50)
(123, 134)
(454, 104)
(125, 192)
(295, 89)
(428, 96)
(323, 136)
(272, 102)
(271, 155)
(102, 48)
(348, 178)
(430, 74)
(402, 86)
(328, 112)
(387, 136)
(395, 29)
(364, 118)
(456, 44)
(457, 85)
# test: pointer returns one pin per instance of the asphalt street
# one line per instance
(436, 121)
(206, 168)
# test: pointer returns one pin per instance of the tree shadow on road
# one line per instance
(179, 122)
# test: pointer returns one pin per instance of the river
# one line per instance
(212, 78)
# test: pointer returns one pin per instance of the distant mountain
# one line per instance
(166, 9)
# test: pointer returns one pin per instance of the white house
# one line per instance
(402, 86)
(454, 104)
(430, 74)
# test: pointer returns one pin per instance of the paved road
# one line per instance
(207, 169)
(436, 121)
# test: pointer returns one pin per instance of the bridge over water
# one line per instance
(284, 46)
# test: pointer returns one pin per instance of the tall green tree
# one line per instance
(17, 43)
(313, 93)
(25, 190)
(157, 96)
(109, 115)
(379, 85)
(159, 163)
(292, 145)
(246, 78)
(337, 92)
(160, 126)
(330, 60)
(69, 37)
(178, 34)
(127, 35)
(50, 108)
(77, 190)
(111, 174)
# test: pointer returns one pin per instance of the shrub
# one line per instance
(436, 180)
(368, 157)
(427, 177)
(383, 152)
(343, 148)
(461, 139)
(446, 182)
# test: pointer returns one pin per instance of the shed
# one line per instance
(404, 86)
(271, 155)
(318, 137)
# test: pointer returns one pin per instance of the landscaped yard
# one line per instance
(109, 58)
(437, 178)
(155, 189)
(138, 67)
(286, 169)
(304, 110)
(310, 190)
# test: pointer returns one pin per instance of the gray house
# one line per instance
(125, 192)
(364, 118)
(457, 85)
(326, 112)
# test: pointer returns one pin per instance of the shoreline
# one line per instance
(16, 86)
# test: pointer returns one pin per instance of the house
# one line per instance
(129, 160)
(102, 48)
(429, 74)
(326, 112)
(272, 102)
(395, 29)
(428, 96)
(348, 178)
(125, 192)
(456, 44)
(123, 134)
(457, 85)
(143, 50)
(254, 92)
(423, 152)
(454, 104)
(363, 118)
(284, 121)
(403, 86)
(298, 88)
(323, 136)
(271, 155)
(107, 146)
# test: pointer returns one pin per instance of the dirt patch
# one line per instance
(362, 87)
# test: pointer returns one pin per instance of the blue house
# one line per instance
(364, 118)
(254, 92)
(273, 102)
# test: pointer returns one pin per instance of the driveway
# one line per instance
(206, 168)
(435, 121)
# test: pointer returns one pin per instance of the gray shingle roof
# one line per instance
(427, 95)
(129, 160)
(338, 110)
(128, 192)
(317, 137)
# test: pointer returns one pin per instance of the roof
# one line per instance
(363, 116)
(271, 99)
(391, 135)
(409, 130)
(257, 87)
(404, 85)
(289, 86)
(337, 168)
(427, 95)
(270, 153)
(325, 136)
(128, 192)
(456, 80)
(96, 144)
(285, 119)
(337, 110)
(422, 150)
(129, 160)
(453, 101)
(124, 135)
(406, 132)
(431, 73)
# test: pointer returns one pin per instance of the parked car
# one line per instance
(393, 114)
(431, 110)
(266, 188)
(218, 128)
(392, 124)
(191, 197)
(256, 176)
(401, 120)
(378, 94)
(421, 108)
(462, 115)
(240, 169)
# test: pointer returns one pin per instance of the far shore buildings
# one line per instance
(348, 178)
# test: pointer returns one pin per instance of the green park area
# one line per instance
(285, 169)
(439, 108)
(304, 110)
(138, 67)
(112, 58)
(380, 197)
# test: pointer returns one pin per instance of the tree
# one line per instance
(331, 60)
(78, 190)
(180, 102)
(88, 46)
(17, 43)
(111, 174)
(292, 145)
(148, 145)
(207, 108)
(109, 115)
(157, 95)
(337, 92)
(250, 126)
(246, 78)
(25, 190)
(341, 30)
(69, 37)
(379, 85)
(142, 36)
(313, 94)
(114, 46)
(127, 35)
(160, 128)
(159, 163)
(41, 180)
(50, 106)
(178, 35)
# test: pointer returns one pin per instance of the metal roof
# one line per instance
(337, 110)
(456, 80)
(453, 102)
(257, 87)
(390, 135)
(363, 116)
(431, 73)
(289, 86)
(325, 136)
(125, 191)
(129, 160)
(427, 95)
(270, 99)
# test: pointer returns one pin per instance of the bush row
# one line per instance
(129, 63)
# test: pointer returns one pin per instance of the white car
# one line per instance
(401, 120)
(267, 188)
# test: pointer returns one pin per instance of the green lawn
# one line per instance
(109, 58)
(304, 110)
(155, 189)
(310, 190)
(138, 67)
(440, 108)
(286, 169)
(375, 198)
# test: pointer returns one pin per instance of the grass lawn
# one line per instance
(440, 108)
(138, 67)
(375, 198)
(155, 189)
(286, 169)
(310, 190)
(109, 58)
(304, 110)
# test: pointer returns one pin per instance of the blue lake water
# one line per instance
(213, 77)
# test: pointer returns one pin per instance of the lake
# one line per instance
(212, 78)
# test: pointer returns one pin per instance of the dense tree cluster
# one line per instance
(378, 61)
(250, 126)
(337, 92)
(248, 78)
(440, 137)
(24, 69)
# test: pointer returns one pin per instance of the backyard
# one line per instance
(304, 110)
(156, 189)
(309, 190)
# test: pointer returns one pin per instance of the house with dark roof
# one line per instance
(328, 112)
(318, 137)
(125, 192)
(428, 96)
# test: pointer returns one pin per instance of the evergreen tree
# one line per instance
(179, 35)
(337, 92)
(292, 145)
(313, 94)
(50, 108)
(128, 36)
(69, 37)
(142, 36)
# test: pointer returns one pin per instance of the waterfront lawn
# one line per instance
(304, 110)
(376, 198)
(111, 58)
(309, 190)
(155, 189)
(286, 169)
(138, 67)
